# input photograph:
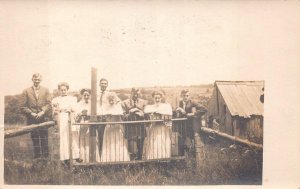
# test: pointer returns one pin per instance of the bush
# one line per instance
(12, 114)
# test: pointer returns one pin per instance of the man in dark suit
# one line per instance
(36, 105)
(193, 112)
(134, 111)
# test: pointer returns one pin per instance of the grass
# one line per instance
(224, 163)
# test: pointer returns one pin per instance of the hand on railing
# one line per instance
(167, 120)
(40, 115)
(181, 110)
(190, 115)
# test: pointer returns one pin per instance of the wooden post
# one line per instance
(199, 146)
(92, 151)
(70, 141)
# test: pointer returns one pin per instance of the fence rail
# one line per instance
(127, 122)
(162, 143)
(232, 138)
(178, 134)
(8, 133)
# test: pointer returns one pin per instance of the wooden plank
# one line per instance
(131, 162)
(232, 138)
(8, 133)
(199, 146)
(126, 122)
(70, 141)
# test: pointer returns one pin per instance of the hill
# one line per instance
(199, 93)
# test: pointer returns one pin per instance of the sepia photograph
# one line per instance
(150, 93)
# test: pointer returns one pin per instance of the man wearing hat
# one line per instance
(36, 105)
(135, 133)
(193, 112)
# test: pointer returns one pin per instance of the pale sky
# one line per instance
(140, 44)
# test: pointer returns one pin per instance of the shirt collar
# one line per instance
(36, 88)
(185, 103)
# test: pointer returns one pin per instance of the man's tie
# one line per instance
(101, 98)
(36, 91)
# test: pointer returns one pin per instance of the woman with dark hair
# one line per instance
(64, 108)
(114, 146)
(159, 138)
(83, 113)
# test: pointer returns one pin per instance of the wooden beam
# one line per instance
(92, 150)
(8, 133)
(232, 138)
(127, 122)
(70, 140)
(178, 158)
(93, 92)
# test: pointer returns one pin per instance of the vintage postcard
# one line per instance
(150, 93)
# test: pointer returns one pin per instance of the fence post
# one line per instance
(92, 150)
(199, 145)
(70, 141)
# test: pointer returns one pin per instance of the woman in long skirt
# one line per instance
(114, 143)
(64, 107)
(159, 136)
(83, 112)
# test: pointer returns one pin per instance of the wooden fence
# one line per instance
(21, 130)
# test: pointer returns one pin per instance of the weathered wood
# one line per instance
(92, 150)
(94, 91)
(54, 144)
(127, 122)
(70, 140)
(199, 150)
(178, 158)
(232, 138)
(8, 133)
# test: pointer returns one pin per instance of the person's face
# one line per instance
(103, 85)
(86, 96)
(135, 96)
(36, 81)
(63, 90)
(157, 98)
(185, 97)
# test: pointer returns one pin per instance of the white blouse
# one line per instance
(161, 108)
(63, 103)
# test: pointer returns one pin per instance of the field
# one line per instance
(224, 163)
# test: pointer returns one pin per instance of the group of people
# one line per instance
(114, 142)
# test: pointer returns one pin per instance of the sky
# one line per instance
(150, 43)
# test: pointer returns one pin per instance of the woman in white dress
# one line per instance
(83, 112)
(64, 108)
(114, 143)
(159, 135)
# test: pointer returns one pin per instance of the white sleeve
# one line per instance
(148, 109)
(165, 109)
